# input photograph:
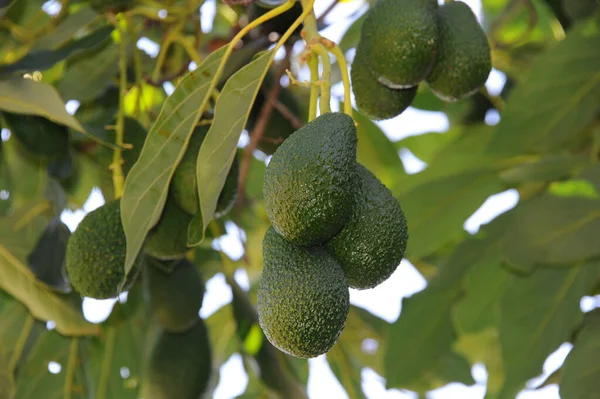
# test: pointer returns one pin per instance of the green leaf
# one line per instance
(17, 240)
(44, 59)
(537, 314)
(376, 152)
(67, 29)
(581, 371)
(548, 168)
(592, 174)
(25, 96)
(4, 6)
(352, 35)
(557, 99)
(147, 184)
(426, 146)
(220, 145)
(436, 210)
(553, 230)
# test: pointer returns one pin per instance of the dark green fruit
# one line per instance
(39, 136)
(175, 298)
(96, 254)
(372, 243)
(310, 180)
(303, 298)
(179, 366)
(168, 239)
(184, 186)
(580, 9)
(464, 61)
(373, 99)
(400, 40)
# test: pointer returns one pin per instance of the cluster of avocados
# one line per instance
(334, 226)
(404, 42)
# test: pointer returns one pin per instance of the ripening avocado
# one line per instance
(303, 298)
(95, 254)
(580, 9)
(184, 186)
(373, 99)
(168, 239)
(176, 297)
(179, 365)
(400, 40)
(372, 243)
(464, 61)
(39, 136)
(310, 179)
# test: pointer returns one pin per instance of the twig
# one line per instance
(288, 114)
(327, 11)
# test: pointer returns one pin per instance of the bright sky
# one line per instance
(384, 300)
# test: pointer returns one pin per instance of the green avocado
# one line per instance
(168, 239)
(303, 298)
(400, 40)
(95, 254)
(372, 243)
(38, 136)
(175, 298)
(464, 60)
(179, 365)
(184, 186)
(310, 179)
(580, 9)
(373, 99)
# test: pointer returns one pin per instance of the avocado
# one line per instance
(168, 239)
(372, 243)
(303, 298)
(95, 254)
(580, 9)
(373, 99)
(38, 136)
(175, 298)
(179, 365)
(464, 61)
(184, 186)
(400, 40)
(310, 179)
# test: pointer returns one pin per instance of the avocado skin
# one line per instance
(373, 99)
(179, 365)
(310, 179)
(373, 241)
(580, 9)
(168, 239)
(95, 254)
(464, 61)
(40, 137)
(303, 298)
(175, 298)
(400, 39)
(184, 186)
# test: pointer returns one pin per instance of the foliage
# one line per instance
(506, 296)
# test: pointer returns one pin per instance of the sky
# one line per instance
(384, 300)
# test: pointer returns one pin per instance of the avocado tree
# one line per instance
(193, 116)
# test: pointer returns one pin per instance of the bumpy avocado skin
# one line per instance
(184, 186)
(303, 298)
(179, 366)
(373, 241)
(400, 40)
(95, 254)
(580, 9)
(175, 298)
(464, 61)
(310, 179)
(373, 99)
(168, 239)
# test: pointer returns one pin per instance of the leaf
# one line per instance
(17, 280)
(220, 145)
(436, 211)
(553, 230)
(581, 371)
(537, 314)
(376, 152)
(47, 260)
(548, 168)
(352, 35)
(592, 174)
(148, 180)
(25, 96)
(44, 59)
(67, 29)
(4, 6)
(550, 106)
(426, 146)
